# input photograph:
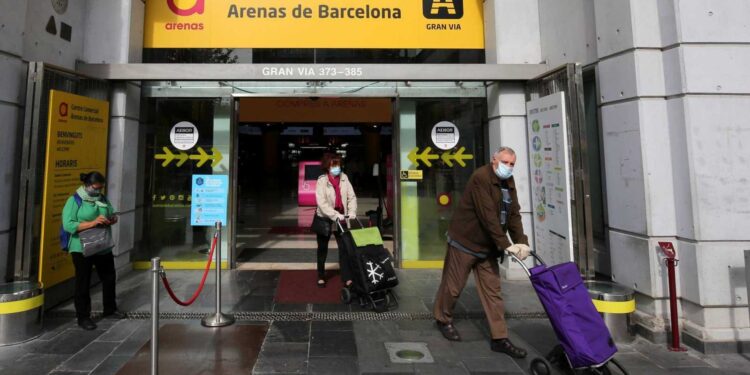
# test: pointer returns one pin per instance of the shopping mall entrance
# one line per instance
(279, 145)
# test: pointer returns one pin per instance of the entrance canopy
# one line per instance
(317, 72)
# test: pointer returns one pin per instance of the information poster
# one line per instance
(549, 171)
(209, 204)
(77, 134)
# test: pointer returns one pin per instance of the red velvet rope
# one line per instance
(200, 287)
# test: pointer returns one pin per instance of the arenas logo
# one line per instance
(198, 7)
(443, 9)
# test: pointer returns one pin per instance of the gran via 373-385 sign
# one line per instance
(438, 24)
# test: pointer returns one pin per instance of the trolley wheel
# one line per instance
(539, 366)
(346, 296)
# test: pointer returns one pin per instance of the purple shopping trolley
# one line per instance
(584, 338)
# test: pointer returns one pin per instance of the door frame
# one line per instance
(234, 150)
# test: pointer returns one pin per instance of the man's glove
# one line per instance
(340, 217)
(520, 250)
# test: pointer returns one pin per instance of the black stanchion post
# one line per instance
(218, 319)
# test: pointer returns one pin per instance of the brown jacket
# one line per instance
(476, 221)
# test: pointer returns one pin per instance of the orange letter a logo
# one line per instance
(197, 8)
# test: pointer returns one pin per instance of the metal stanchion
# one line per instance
(218, 319)
(155, 270)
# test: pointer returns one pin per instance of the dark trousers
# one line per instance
(456, 271)
(105, 268)
(323, 254)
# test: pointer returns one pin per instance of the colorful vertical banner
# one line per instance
(550, 183)
(77, 136)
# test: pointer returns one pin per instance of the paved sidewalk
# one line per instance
(326, 339)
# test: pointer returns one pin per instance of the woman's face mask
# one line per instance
(92, 191)
(336, 170)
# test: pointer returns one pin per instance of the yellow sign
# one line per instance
(414, 156)
(413, 24)
(76, 143)
(426, 157)
(458, 157)
(412, 175)
(201, 157)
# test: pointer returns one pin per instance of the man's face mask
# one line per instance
(503, 171)
(336, 170)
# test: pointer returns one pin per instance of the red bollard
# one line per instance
(671, 262)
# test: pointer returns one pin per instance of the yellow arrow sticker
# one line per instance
(458, 157)
(182, 158)
(216, 157)
(414, 156)
(202, 157)
(167, 156)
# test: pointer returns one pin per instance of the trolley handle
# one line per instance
(347, 218)
(526, 269)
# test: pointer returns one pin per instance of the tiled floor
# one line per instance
(321, 346)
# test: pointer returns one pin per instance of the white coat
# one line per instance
(325, 196)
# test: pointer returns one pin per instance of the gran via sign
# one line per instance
(429, 24)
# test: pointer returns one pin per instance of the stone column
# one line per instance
(115, 40)
(511, 37)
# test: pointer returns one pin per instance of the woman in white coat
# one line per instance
(336, 201)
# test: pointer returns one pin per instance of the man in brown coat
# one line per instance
(477, 238)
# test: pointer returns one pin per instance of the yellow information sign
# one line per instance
(414, 24)
(76, 143)
(412, 175)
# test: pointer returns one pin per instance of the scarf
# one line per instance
(86, 197)
(336, 182)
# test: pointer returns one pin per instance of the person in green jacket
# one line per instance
(94, 211)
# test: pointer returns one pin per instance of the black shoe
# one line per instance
(448, 330)
(116, 315)
(87, 324)
(507, 347)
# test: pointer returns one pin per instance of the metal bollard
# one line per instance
(671, 260)
(218, 319)
(155, 273)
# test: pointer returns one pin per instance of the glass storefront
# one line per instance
(168, 174)
(427, 205)
(422, 209)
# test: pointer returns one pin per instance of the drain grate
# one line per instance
(302, 316)
(409, 352)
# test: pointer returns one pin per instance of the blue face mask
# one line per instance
(335, 171)
(503, 171)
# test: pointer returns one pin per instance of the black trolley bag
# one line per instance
(371, 265)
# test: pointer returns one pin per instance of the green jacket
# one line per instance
(72, 216)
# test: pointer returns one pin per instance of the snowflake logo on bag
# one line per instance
(372, 272)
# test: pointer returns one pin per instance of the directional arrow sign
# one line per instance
(458, 157)
(167, 156)
(425, 156)
(182, 158)
(203, 157)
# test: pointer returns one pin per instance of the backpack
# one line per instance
(64, 235)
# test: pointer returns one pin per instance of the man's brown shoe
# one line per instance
(449, 331)
(507, 347)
